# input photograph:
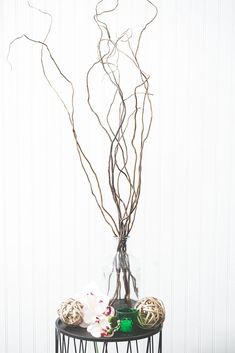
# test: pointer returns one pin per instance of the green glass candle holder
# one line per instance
(128, 318)
(126, 325)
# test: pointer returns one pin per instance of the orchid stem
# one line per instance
(96, 347)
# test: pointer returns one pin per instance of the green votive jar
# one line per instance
(128, 318)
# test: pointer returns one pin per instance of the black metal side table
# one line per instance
(69, 339)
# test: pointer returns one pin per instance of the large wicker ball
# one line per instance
(151, 312)
(71, 312)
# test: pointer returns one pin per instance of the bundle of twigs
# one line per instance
(126, 123)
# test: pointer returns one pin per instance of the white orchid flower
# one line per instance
(102, 327)
(94, 304)
(98, 316)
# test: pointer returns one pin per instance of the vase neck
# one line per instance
(122, 244)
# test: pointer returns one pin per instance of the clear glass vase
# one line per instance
(121, 276)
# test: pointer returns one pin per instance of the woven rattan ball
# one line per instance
(71, 312)
(151, 312)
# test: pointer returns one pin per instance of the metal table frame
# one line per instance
(69, 339)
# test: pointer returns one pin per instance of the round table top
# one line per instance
(82, 334)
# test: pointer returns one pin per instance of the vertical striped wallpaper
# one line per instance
(52, 238)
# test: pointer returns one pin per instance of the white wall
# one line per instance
(53, 239)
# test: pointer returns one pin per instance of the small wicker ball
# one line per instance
(151, 312)
(71, 312)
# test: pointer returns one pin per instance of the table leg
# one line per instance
(56, 341)
(160, 343)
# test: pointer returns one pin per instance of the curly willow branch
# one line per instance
(118, 170)
(126, 124)
(126, 210)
